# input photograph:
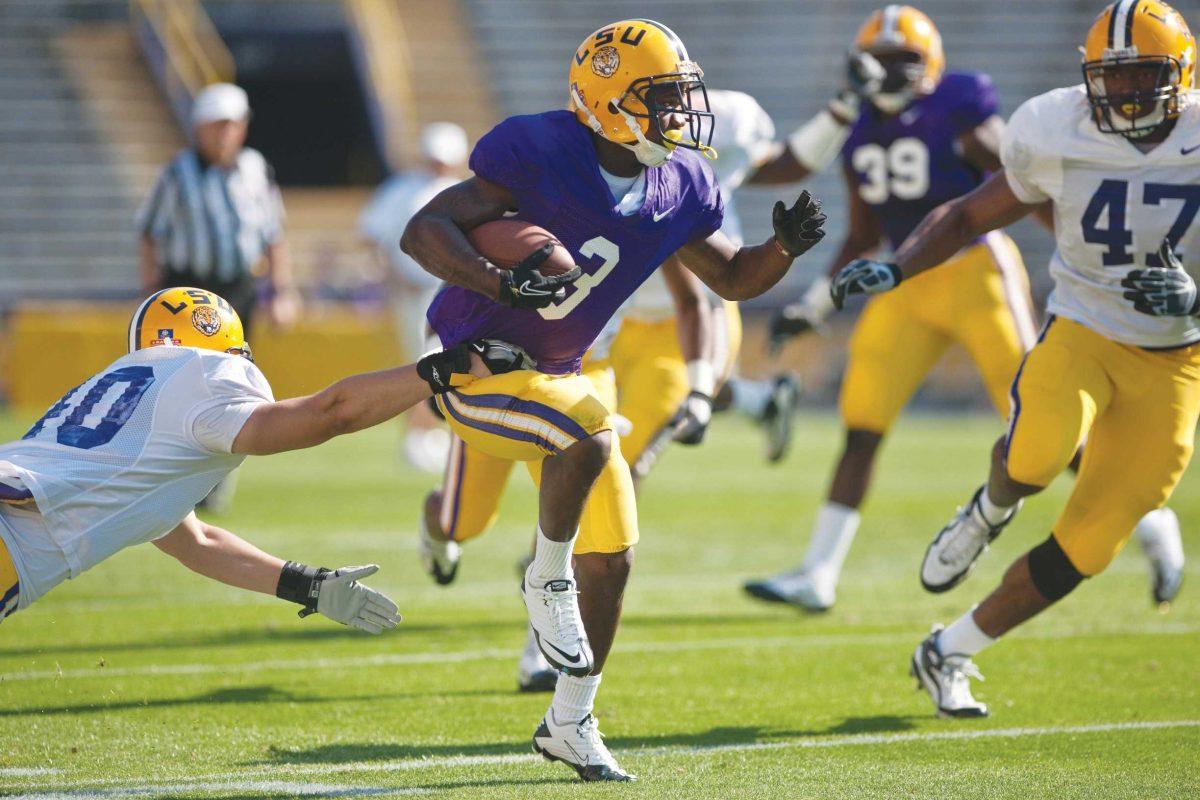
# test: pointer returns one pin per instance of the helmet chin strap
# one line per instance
(650, 154)
(892, 102)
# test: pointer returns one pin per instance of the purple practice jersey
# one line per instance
(548, 163)
(908, 164)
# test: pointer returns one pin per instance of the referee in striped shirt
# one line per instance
(215, 213)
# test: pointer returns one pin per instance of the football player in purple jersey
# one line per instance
(621, 180)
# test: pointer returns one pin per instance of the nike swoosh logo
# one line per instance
(574, 659)
(1187, 151)
(659, 215)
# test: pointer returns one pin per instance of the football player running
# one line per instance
(912, 137)
(638, 111)
(124, 458)
(1118, 361)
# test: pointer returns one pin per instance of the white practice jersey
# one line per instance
(744, 137)
(1113, 206)
(123, 458)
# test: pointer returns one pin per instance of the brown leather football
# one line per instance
(506, 242)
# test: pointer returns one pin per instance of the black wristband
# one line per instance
(301, 584)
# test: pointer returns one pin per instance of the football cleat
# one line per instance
(1159, 535)
(557, 627)
(439, 556)
(534, 673)
(798, 588)
(952, 554)
(579, 745)
(947, 679)
(779, 416)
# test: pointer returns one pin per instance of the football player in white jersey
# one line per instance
(124, 458)
(1118, 362)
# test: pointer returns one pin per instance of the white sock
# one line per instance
(992, 512)
(963, 637)
(551, 560)
(831, 538)
(750, 397)
(574, 698)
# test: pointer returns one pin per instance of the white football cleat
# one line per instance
(799, 588)
(579, 745)
(534, 673)
(947, 679)
(554, 616)
(952, 554)
(1159, 535)
(439, 557)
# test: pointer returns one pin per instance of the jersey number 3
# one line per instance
(598, 246)
(107, 418)
(1112, 199)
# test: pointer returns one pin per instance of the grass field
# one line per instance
(142, 680)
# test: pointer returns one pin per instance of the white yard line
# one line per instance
(292, 789)
(246, 779)
(27, 772)
(495, 653)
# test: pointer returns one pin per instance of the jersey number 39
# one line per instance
(900, 170)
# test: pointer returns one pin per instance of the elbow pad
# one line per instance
(816, 143)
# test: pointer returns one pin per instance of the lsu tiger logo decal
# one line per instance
(206, 320)
(605, 61)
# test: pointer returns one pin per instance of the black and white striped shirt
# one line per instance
(209, 222)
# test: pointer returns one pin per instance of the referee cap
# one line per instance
(220, 101)
(444, 142)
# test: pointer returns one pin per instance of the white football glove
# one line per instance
(807, 314)
(343, 599)
(863, 276)
(692, 418)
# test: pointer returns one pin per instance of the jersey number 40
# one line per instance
(95, 418)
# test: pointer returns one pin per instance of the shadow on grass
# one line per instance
(240, 695)
(714, 737)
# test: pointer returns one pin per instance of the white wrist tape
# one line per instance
(701, 376)
(816, 297)
(816, 143)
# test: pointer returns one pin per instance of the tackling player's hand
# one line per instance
(1166, 291)
(524, 286)
(798, 228)
(337, 594)
(445, 369)
(691, 420)
(863, 276)
(808, 313)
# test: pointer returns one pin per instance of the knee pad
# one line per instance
(1053, 574)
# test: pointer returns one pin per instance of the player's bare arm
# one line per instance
(943, 232)
(436, 239)
(742, 273)
(697, 342)
(981, 147)
(218, 554)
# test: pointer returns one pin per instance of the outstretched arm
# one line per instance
(218, 554)
(741, 273)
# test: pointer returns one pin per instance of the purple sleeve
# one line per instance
(503, 156)
(712, 209)
(976, 101)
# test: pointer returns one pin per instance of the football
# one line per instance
(507, 242)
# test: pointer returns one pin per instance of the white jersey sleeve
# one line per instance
(1033, 169)
(236, 387)
(743, 136)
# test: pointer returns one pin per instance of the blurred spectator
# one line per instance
(214, 214)
(410, 288)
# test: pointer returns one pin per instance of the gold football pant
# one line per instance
(1136, 408)
(979, 299)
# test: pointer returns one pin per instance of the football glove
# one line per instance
(524, 286)
(863, 276)
(798, 228)
(337, 594)
(443, 370)
(1166, 291)
(691, 420)
(864, 78)
(808, 313)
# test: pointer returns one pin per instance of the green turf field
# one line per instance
(142, 680)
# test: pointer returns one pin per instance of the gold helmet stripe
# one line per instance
(890, 29)
(1120, 24)
(135, 323)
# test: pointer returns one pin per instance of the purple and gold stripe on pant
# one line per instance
(512, 418)
(10, 587)
(1014, 393)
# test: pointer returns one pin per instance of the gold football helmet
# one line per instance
(1139, 66)
(908, 45)
(633, 83)
(187, 317)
